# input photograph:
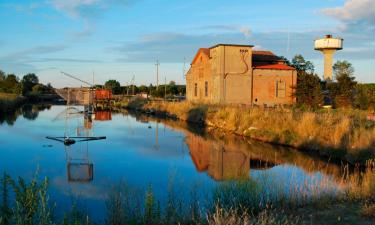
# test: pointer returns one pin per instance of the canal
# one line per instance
(144, 152)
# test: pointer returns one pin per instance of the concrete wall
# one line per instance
(265, 86)
(229, 75)
(199, 73)
(232, 78)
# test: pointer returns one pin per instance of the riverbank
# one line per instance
(10, 101)
(341, 135)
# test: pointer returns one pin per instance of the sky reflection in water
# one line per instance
(141, 151)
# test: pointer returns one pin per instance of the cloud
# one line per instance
(246, 31)
(356, 16)
(171, 47)
(87, 8)
(37, 50)
(353, 10)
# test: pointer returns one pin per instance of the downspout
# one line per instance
(252, 86)
(234, 73)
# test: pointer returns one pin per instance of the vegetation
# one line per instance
(29, 85)
(260, 200)
(337, 134)
(162, 91)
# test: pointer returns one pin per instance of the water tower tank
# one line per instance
(328, 42)
(328, 46)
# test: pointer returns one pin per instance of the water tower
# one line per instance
(328, 46)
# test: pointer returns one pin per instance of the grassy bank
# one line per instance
(10, 101)
(337, 134)
(248, 201)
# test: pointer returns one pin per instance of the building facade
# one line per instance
(235, 74)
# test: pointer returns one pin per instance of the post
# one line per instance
(165, 88)
(157, 74)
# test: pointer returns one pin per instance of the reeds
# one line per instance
(337, 134)
(263, 199)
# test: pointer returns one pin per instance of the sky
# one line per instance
(118, 39)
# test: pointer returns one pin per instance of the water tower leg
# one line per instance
(328, 63)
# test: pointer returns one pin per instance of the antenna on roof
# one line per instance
(288, 45)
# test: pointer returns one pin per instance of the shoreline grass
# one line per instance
(341, 135)
(10, 101)
(246, 201)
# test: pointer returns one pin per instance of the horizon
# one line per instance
(121, 39)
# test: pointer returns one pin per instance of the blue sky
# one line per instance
(120, 39)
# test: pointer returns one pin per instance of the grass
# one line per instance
(9, 101)
(247, 201)
(337, 134)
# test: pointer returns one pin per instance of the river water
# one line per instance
(141, 152)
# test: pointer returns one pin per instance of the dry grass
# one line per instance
(338, 134)
(8, 97)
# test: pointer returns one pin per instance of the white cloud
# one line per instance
(72, 7)
(246, 31)
(353, 10)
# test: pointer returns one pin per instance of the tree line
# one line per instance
(165, 90)
(343, 91)
(28, 85)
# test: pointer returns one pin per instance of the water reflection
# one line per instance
(225, 156)
(29, 112)
(79, 166)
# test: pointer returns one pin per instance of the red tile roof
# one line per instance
(205, 51)
(264, 58)
(274, 67)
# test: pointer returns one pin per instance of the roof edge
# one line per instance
(235, 45)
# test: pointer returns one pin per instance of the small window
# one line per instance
(195, 90)
(206, 88)
(280, 89)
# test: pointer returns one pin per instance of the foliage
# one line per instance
(343, 91)
(113, 85)
(302, 65)
(364, 96)
(28, 82)
(10, 84)
(308, 90)
(32, 205)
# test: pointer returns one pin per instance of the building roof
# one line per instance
(205, 51)
(274, 67)
(231, 45)
(265, 56)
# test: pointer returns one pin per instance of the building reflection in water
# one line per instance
(226, 157)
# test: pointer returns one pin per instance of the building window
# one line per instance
(280, 89)
(195, 89)
(206, 88)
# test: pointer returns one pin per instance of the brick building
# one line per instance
(236, 74)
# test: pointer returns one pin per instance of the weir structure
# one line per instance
(328, 46)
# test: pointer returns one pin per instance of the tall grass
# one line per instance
(338, 134)
(247, 201)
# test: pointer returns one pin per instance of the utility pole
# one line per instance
(165, 88)
(133, 84)
(157, 74)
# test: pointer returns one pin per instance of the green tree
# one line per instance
(11, 84)
(28, 82)
(2, 75)
(308, 90)
(343, 93)
(113, 85)
(302, 65)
